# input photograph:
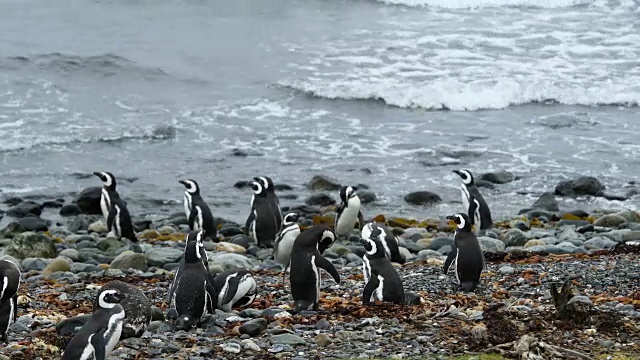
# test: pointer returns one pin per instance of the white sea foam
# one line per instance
(464, 4)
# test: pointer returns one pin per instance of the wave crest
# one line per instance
(466, 4)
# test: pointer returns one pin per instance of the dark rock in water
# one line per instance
(578, 213)
(610, 196)
(366, 171)
(282, 187)
(546, 201)
(320, 199)
(366, 197)
(422, 198)
(230, 230)
(142, 224)
(499, 177)
(89, 200)
(70, 210)
(305, 209)
(25, 208)
(321, 182)
(30, 244)
(484, 184)
(13, 229)
(289, 196)
(52, 204)
(584, 185)
(31, 223)
(245, 152)
(12, 201)
(137, 308)
(72, 325)
(538, 213)
(241, 184)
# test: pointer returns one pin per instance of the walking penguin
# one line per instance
(466, 257)
(284, 241)
(348, 212)
(265, 219)
(473, 203)
(198, 213)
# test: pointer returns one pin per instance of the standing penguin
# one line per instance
(265, 218)
(9, 284)
(348, 212)
(99, 335)
(136, 305)
(284, 241)
(381, 279)
(306, 260)
(196, 237)
(194, 292)
(197, 211)
(478, 210)
(466, 256)
(388, 240)
(235, 288)
(119, 220)
(108, 192)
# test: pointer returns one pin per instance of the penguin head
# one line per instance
(107, 178)
(258, 188)
(191, 186)
(192, 252)
(327, 239)
(266, 182)
(110, 298)
(346, 193)
(462, 221)
(467, 177)
(373, 247)
(290, 219)
(197, 236)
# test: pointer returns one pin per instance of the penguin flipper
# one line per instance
(323, 263)
(371, 286)
(15, 306)
(192, 217)
(98, 343)
(211, 299)
(111, 217)
(247, 224)
(360, 220)
(473, 206)
(450, 258)
(174, 283)
(228, 296)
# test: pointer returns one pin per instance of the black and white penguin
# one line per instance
(348, 212)
(196, 237)
(136, 305)
(119, 220)
(388, 240)
(306, 260)
(194, 292)
(478, 210)
(285, 239)
(197, 211)
(99, 335)
(466, 257)
(265, 219)
(235, 288)
(108, 191)
(382, 282)
(9, 284)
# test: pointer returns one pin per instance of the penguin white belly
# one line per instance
(252, 226)
(317, 275)
(348, 218)
(366, 231)
(197, 223)
(104, 204)
(117, 229)
(5, 283)
(465, 197)
(378, 293)
(366, 269)
(187, 205)
(456, 265)
(476, 215)
(89, 352)
(282, 250)
(247, 285)
(114, 330)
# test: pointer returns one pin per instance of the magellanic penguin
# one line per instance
(100, 334)
(306, 260)
(194, 292)
(285, 239)
(382, 282)
(119, 220)
(235, 288)
(265, 219)
(196, 237)
(389, 241)
(473, 203)
(9, 284)
(348, 213)
(466, 256)
(197, 211)
(108, 192)
(136, 305)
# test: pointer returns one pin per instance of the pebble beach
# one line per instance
(65, 261)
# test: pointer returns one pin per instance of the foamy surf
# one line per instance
(464, 4)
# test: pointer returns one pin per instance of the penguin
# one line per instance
(9, 284)
(194, 292)
(306, 260)
(198, 238)
(348, 213)
(108, 192)
(466, 256)
(285, 239)
(136, 305)
(235, 288)
(382, 282)
(197, 211)
(482, 220)
(99, 335)
(119, 220)
(265, 219)
(388, 240)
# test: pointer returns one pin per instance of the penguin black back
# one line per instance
(108, 192)
(199, 215)
(265, 218)
(119, 220)
(466, 255)
(470, 193)
(9, 284)
(382, 282)
(196, 237)
(388, 240)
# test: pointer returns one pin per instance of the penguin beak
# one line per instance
(457, 172)
(97, 174)
(182, 182)
(451, 217)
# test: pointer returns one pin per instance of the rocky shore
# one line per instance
(513, 312)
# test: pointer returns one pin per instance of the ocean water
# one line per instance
(156, 91)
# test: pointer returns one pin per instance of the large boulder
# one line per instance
(89, 200)
(546, 201)
(422, 198)
(321, 182)
(583, 185)
(30, 244)
(25, 208)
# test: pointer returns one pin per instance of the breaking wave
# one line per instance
(466, 4)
